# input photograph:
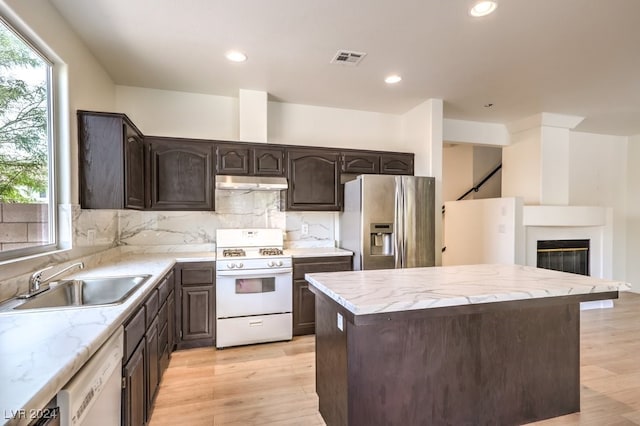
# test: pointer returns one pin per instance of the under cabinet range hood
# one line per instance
(251, 183)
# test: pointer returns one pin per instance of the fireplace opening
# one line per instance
(564, 255)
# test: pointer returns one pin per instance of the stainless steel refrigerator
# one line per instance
(388, 221)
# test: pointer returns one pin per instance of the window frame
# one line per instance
(52, 205)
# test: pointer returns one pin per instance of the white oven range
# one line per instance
(253, 287)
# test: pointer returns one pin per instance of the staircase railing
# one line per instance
(482, 182)
(476, 189)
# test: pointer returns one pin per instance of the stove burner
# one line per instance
(233, 253)
(272, 251)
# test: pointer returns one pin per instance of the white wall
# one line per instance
(485, 160)
(521, 167)
(457, 170)
(598, 177)
(193, 115)
(297, 124)
(179, 114)
(554, 166)
(633, 213)
(483, 231)
(464, 166)
(475, 132)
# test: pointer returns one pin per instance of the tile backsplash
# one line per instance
(88, 234)
(234, 209)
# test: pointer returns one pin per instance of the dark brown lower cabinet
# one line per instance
(197, 309)
(149, 330)
(133, 394)
(171, 322)
(304, 304)
(196, 289)
(165, 325)
(152, 365)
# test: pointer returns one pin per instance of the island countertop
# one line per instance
(396, 290)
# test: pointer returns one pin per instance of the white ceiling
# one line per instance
(577, 57)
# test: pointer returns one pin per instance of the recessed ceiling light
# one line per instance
(483, 8)
(393, 79)
(236, 56)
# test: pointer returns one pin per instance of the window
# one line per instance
(27, 221)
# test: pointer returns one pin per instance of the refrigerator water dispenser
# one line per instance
(381, 239)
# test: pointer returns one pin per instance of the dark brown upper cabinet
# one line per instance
(233, 159)
(120, 168)
(268, 161)
(249, 160)
(181, 174)
(356, 162)
(111, 162)
(396, 164)
(314, 180)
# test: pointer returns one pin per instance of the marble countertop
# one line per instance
(40, 351)
(395, 290)
(317, 252)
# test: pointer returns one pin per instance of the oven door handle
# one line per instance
(253, 272)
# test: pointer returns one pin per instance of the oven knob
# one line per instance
(231, 265)
(280, 263)
(240, 265)
(271, 264)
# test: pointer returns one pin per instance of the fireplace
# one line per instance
(564, 255)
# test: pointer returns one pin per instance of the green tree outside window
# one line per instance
(23, 121)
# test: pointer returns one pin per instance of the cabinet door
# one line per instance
(361, 163)
(171, 322)
(314, 180)
(396, 164)
(100, 162)
(197, 313)
(233, 160)
(152, 368)
(111, 162)
(181, 175)
(195, 304)
(304, 308)
(268, 161)
(304, 302)
(134, 392)
(134, 161)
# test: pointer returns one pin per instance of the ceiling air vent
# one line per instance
(348, 57)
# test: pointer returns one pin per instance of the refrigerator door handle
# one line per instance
(398, 224)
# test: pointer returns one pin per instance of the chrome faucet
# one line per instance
(36, 281)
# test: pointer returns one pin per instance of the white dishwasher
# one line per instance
(93, 396)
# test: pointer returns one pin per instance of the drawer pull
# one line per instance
(255, 323)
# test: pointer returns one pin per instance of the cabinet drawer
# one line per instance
(151, 305)
(328, 264)
(193, 275)
(133, 332)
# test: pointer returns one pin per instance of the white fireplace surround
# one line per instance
(573, 223)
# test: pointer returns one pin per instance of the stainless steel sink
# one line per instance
(86, 292)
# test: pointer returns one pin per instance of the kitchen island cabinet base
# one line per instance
(497, 363)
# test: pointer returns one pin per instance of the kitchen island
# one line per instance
(473, 344)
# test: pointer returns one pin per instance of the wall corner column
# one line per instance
(423, 134)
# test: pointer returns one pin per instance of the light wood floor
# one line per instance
(274, 384)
